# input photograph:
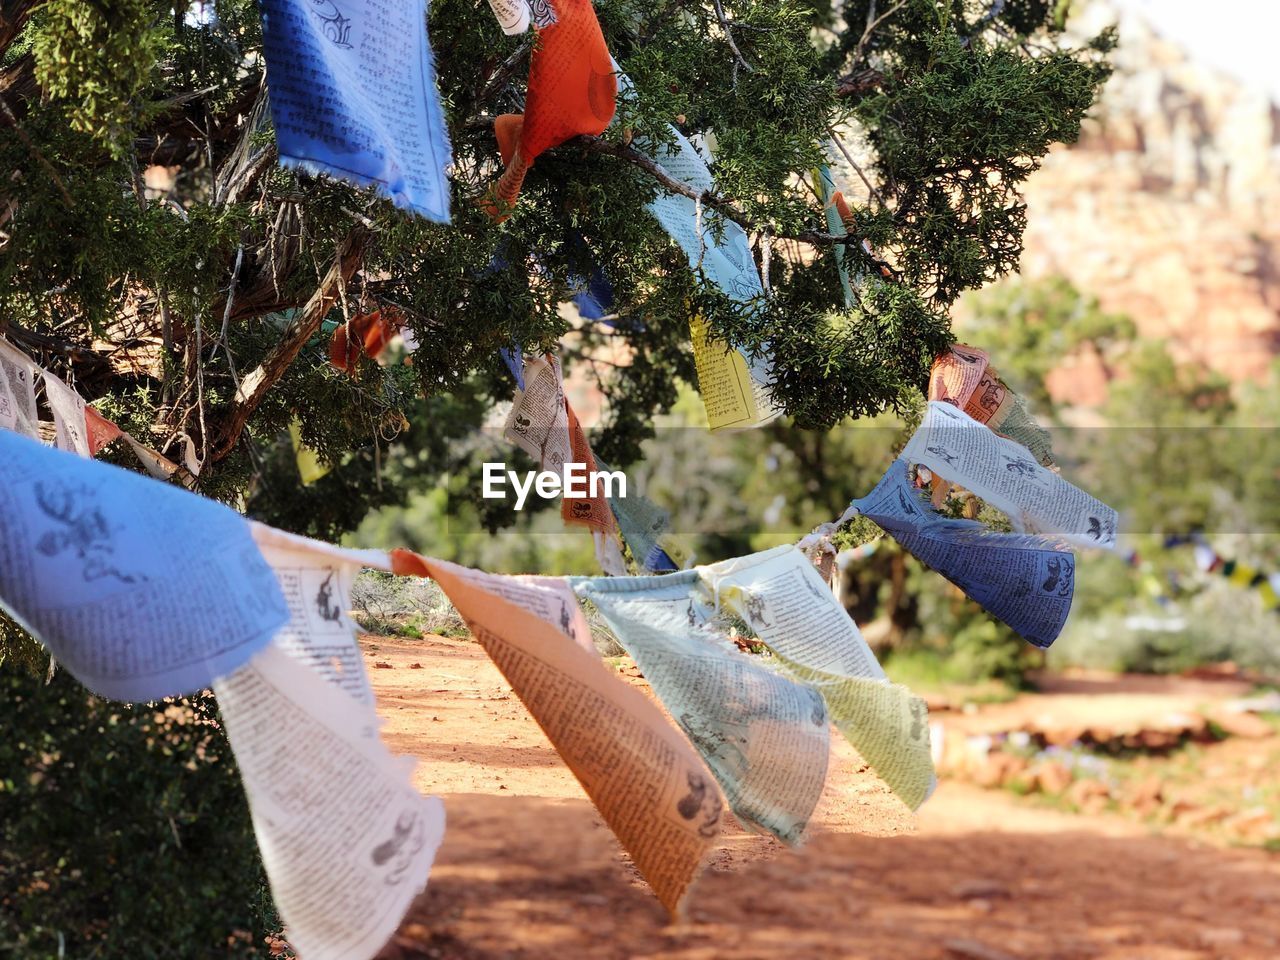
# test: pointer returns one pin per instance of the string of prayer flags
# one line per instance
(70, 423)
(646, 781)
(1023, 580)
(78, 427)
(353, 95)
(764, 737)
(953, 445)
(18, 392)
(572, 92)
(780, 594)
(964, 378)
(89, 558)
(542, 423)
(346, 840)
(734, 387)
(512, 15)
(1208, 560)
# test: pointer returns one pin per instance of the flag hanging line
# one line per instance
(78, 427)
(734, 385)
(542, 422)
(1239, 573)
(90, 568)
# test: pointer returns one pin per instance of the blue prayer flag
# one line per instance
(353, 94)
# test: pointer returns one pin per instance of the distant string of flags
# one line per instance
(1237, 572)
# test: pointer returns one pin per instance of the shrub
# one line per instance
(124, 829)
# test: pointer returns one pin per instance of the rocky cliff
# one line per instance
(1168, 208)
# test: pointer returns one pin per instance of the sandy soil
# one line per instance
(528, 870)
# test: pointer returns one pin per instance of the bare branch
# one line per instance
(728, 35)
(859, 82)
(871, 28)
(853, 163)
(259, 381)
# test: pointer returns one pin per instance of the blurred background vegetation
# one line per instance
(1175, 447)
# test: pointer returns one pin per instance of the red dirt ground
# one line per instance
(527, 869)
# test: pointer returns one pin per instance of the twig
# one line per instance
(854, 163)
(500, 76)
(256, 384)
(166, 342)
(871, 27)
(859, 82)
(226, 316)
(42, 342)
(996, 8)
(766, 257)
(728, 35)
(204, 431)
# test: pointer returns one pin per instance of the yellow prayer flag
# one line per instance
(309, 466)
(732, 397)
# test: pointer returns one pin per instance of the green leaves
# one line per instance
(957, 103)
(97, 57)
(961, 120)
(102, 804)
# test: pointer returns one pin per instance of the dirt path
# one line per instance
(1115, 703)
(528, 870)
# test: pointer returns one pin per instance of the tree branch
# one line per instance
(718, 203)
(859, 82)
(259, 381)
(38, 341)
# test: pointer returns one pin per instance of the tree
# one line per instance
(158, 302)
(1031, 327)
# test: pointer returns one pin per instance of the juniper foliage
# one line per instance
(127, 290)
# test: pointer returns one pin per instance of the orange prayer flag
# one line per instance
(572, 91)
(369, 332)
(591, 511)
(956, 374)
(101, 431)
